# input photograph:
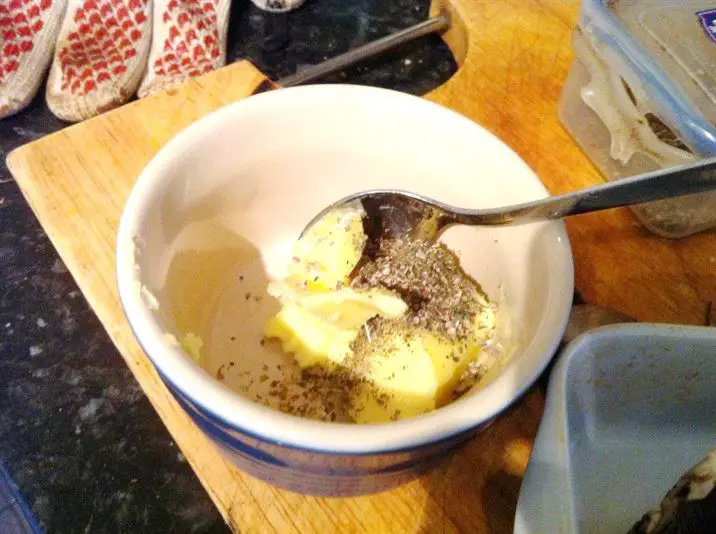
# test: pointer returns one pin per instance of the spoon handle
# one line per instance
(665, 183)
(436, 24)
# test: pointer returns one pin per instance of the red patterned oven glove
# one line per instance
(28, 30)
(189, 39)
(100, 56)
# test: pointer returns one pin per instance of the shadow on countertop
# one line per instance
(479, 486)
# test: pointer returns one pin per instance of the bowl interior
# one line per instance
(213, 218)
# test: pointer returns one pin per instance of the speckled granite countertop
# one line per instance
(77, 434)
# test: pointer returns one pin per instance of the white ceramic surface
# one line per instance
(213, 216)
(278, 6)
(630, 408)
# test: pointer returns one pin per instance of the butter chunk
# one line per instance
(192, 345)
(349, 308)
(410, 374)
(311, 339)
(319, 328)
(401, 382)
(328, 252)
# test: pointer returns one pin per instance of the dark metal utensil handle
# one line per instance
(338, 63)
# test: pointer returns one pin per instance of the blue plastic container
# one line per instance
(630, 408)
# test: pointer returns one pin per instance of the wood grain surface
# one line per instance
(514, 56)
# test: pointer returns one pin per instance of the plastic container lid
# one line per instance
(15, 515)
(681, 38)
(670, 46)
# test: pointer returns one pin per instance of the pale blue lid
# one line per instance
(674, 104)
(15, 515)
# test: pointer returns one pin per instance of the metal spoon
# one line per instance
(391, 213)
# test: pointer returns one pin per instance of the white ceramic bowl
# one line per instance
(212, 219)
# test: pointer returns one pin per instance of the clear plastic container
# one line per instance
(641, 95)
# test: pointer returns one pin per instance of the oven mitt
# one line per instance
(28, 31)
(189, 39)
(100, 56)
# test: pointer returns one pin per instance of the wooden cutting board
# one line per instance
(513, 56)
